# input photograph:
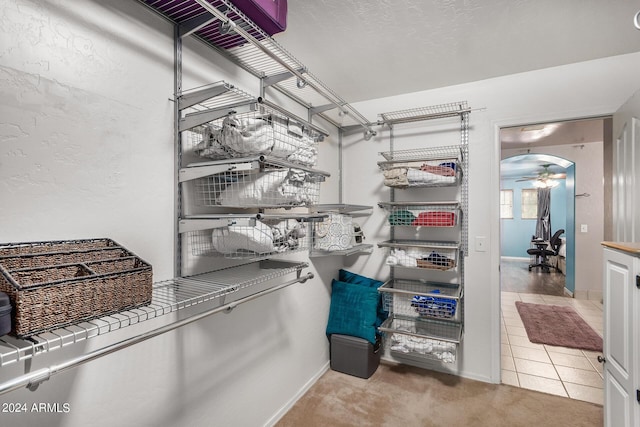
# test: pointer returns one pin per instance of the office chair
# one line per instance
(542, 252)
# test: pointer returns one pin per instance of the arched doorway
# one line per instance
(522, 172)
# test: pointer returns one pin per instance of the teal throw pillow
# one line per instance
(353, 310)
(350, 277)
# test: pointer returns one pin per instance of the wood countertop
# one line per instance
(632, 248)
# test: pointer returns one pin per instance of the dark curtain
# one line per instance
(543, 225)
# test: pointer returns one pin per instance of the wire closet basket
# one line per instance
(423, 167)
(422, 214)
(262, 131)
(261, 183)
(429, 255)
(252, 237)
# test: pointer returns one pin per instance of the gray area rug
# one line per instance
(558, 325)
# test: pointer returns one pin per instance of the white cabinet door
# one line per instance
(619, 341)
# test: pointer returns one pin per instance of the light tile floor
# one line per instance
(567, 372)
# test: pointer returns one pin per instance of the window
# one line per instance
(529, 203)
(506, 204)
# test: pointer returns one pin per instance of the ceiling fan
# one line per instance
(545, 178)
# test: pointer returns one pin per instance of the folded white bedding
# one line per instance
(442, 350)
(262, 238)
(247, 136)
(237, 238)
(292, 147)
(280, 188)
(241, 137)
(418, 177)
(211, 145)
(402, 258)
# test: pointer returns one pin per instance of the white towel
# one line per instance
(418, 177)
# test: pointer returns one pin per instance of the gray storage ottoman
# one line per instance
(354, 356)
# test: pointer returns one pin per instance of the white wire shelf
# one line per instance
(251, 48)
(356, 249)
(248, 164)
(168, 296)
(451, 109)
(445, 153)
(342, 208)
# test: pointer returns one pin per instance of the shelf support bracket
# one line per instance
(195, 97)
(368, 132)
(277, 78)
(322, 108)
(194, 24)
(201, 117)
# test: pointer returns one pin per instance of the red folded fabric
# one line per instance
(435, 219)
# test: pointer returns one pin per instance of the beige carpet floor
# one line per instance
(406, 396)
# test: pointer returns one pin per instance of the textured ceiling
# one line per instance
(371, 49)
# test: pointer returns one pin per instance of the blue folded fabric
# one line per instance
(451, 165)
(434, 306)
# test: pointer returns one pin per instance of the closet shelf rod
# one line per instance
(33, 379)
(333, 98)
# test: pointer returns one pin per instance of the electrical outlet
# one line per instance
(584, 228)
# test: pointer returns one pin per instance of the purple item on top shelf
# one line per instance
(270, 15)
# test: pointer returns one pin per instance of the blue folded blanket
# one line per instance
(434, 306)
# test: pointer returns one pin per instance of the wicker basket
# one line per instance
(55, 284)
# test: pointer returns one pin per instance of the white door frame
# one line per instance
(494, 273)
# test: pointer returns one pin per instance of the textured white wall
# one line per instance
(86, 150)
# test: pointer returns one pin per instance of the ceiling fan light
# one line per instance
(545, 183)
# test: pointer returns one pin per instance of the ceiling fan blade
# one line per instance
(527, 178)
(558, 176)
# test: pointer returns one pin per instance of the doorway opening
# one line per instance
(524, 179)
(568, 157)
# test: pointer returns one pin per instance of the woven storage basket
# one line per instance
(55, 284)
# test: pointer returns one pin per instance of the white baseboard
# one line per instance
(515, 258)
(305, 388)
(593, 295)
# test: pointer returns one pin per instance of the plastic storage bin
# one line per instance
(354, 356)
(270, 15)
